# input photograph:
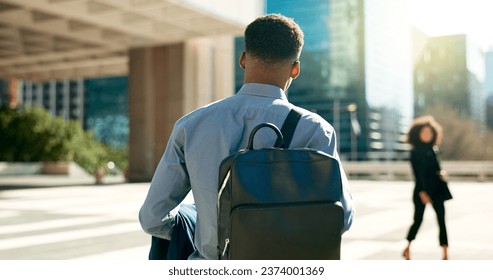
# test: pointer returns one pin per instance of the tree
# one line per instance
(462, 137)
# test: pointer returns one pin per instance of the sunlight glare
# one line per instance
(446, 17)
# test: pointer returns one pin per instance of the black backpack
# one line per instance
(279, 203)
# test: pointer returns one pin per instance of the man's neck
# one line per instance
(261, 76)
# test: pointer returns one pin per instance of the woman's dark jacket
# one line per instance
(426, 168)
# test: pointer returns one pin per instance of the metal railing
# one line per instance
(401, 170)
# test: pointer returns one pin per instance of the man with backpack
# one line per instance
(203, 138)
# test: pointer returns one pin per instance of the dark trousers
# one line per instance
(419, 210)
(181, 244)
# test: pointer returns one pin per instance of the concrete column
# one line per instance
(166, 83)
(155, 84)
(13, 93)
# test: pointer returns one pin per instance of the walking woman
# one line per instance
(430, 187)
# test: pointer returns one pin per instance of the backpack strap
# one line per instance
(289, 126)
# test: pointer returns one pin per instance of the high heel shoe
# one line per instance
(406, 254)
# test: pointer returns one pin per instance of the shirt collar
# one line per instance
(263, 90)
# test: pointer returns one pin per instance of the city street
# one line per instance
(72, 222)
(94, 222)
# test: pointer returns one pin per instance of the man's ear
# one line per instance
(295, 70)
(242, 60)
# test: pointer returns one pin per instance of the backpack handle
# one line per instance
(273, 127)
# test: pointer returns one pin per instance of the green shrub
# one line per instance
(7, 135)
(34, 135)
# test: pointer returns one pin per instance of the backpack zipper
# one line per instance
(223, 185)
(226, 245)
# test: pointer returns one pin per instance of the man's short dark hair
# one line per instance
(274, 38)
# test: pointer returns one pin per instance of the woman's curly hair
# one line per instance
(418, 124)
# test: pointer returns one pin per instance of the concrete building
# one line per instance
(489, 112)
(99, 104)
(488, 88)
(451, 70)
(4, 93)
(178, 55)
(64, 98)
(488, 77)
(356, 71)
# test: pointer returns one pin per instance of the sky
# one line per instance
(445, 17)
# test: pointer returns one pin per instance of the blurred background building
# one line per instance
(356, 71)
(107, 114)
(488, 87)
(451, 70)
(63, 98)
(99, 104)
(4, 93)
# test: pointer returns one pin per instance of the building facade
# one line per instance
(64, 98)
(356, 71)
(450, 70)
(4, 93)
(488, 77)
(488, 87)
(106, 109)
(489, 112)
(99, 104)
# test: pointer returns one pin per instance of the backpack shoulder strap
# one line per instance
(289, 126)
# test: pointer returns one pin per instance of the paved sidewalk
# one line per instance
(29, 175)
(384, 212)
(33, 181)
(383, 215)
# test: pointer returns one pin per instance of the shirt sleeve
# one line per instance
(169, 186)
(346, 199)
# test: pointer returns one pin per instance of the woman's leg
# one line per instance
(443, 238)
(407, 251)
(419, 209)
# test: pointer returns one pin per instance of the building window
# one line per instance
(427, 57)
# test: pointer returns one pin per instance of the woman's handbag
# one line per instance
(443, 189)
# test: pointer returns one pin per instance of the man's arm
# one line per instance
(331, 149)
(169, 186)
(346, 199)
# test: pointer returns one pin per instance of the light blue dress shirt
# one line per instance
(203, 138)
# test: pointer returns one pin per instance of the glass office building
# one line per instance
(106, 109)
(63, 98)
(99, 104)
(488, 77)
(488, 87)
(356, 71)
(4, 93)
